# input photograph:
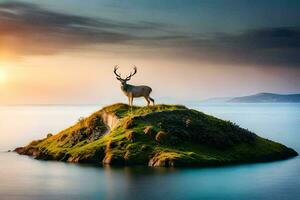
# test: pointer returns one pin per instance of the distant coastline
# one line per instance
(258, 98)
(255, 98)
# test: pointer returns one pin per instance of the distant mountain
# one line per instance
(267, 98)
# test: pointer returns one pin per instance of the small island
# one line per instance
(160, 135)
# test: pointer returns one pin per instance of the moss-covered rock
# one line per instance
(161, 135)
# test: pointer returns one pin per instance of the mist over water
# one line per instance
(22, 124)
(24, 178)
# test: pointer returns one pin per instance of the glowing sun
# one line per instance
(3, 75)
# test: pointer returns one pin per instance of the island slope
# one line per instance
(161, 135)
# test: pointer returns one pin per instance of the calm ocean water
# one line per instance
(24, 178)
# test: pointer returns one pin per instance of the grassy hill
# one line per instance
(161, 135)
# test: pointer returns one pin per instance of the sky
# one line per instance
(64, 51)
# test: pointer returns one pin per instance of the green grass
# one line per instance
(161, 135)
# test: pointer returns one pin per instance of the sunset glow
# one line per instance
(3, 75)
(60, 53)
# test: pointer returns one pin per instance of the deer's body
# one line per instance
(132, 91)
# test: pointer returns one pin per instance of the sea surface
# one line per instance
(24, 178)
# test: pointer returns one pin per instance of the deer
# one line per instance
(132, 91)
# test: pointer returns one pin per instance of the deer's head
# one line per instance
(124, 80)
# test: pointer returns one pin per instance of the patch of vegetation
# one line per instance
(161, 135)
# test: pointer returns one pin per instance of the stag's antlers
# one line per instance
(118, 75)
(131, 74)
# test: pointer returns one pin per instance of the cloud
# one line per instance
(267, 46)
(28, 29)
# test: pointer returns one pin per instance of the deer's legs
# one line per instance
(131, 101)
(147, 99)
(152, 100)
